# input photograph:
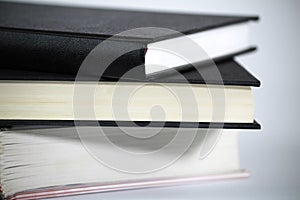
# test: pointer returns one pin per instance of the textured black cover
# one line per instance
(57, 39)
(231, 72)
(47, 123)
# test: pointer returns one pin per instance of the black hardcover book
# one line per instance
(57, 39)
(34, 86)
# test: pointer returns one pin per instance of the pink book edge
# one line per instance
(61, 191)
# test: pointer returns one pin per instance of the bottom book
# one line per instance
(49, 162)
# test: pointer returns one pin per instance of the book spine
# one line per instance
(64, 54)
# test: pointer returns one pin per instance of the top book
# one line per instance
(58, 39)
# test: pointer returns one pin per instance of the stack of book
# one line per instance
(96, 100)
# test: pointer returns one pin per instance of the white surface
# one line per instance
(272, 154)
(215, 43)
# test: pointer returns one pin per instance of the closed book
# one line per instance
(58, 39)
(193, 98)
(55, 162)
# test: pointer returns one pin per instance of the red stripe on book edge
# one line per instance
(94, 188)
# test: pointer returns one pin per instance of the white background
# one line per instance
(272, 154)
